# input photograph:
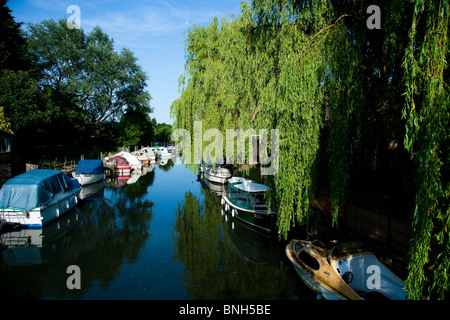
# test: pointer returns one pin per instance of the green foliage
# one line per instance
(62, 87)
(4, 122)
(135, 129)
(101, 81)
(163, 132)
(334, 89)
(13, 49)
(263, 71)
(427, 114)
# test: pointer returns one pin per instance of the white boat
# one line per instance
(38, 197)
(171, 149)
(155, 151)
(142, 157)
(164, 153)
(150, 154)
(89, 172)
(217, 175)
(134, 162)
(346, 272)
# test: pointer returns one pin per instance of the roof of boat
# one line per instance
(90, 167)
(148, 150)
(247, 185)
(133, 160)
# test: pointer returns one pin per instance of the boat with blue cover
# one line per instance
(89, 172)
(37, 197)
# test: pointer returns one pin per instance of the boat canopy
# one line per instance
(132, 160)
(147, 150)
(251, 187)
(119, 161)
(34, 188)
(90, 167)
(246, 193)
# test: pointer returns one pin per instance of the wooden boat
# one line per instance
(217, 175)
(89, 172)
(347, 272)
(244, 199)
(38, 197)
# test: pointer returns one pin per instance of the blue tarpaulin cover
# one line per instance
(90, 167)
(34, 188)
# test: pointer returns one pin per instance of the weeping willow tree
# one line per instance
(333, 88)
(275, 66)
(427, 138)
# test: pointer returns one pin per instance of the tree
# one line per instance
(13, 49)
(135, 129)
(163, 132)
(336, 91)
(427, 138)
(4, 122)
(102, 82)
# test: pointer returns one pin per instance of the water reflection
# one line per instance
(99, 236)
(225, 263)
(163, 236)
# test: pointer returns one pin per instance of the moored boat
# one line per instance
(244, 199)
(164, 153)
(38, 197)
(142, 157)
(150, 154)
(218, 175)
(134, 162)
(347, 272)
(89, 172)
(121, 166)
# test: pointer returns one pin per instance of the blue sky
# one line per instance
(151, 29)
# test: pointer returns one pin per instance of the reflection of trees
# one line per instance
(110, 232)
(214, 267)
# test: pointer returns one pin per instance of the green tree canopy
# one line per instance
(135, 129)
(335, 89)
(13, 49)
(102, 82)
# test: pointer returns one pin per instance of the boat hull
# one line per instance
(261, 220)
(87, 179)
(214, 178)
(123, 170)
(166, 155)
(315, 286)
(345, 272)
(38, 217)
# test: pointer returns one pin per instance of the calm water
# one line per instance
(162, 237)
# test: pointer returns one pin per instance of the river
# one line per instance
(163, 236)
